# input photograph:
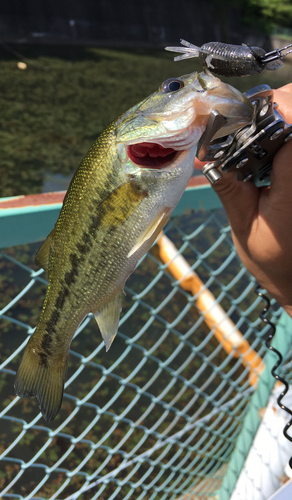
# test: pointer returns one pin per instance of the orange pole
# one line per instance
(232, 340)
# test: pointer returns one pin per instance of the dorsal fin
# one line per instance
(42, 258)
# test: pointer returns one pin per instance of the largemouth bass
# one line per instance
(119, 199)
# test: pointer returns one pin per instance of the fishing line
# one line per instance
(20, 56)
(262, 315)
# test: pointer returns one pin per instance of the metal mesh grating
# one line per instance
(157, 416)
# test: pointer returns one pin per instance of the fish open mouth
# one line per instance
(150, 155)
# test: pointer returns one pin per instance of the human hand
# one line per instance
(261, 218)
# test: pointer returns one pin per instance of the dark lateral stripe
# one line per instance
(112, 212)
(70, 276)
(86, 244)
(47, 338)
(96, 220)
(50, 325)
(84, 248)
(45, 345)
(63, 294)
(102, 211)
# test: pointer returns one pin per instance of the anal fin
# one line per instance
(108, 318)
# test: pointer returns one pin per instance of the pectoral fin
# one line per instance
(151, 232)
(108, 320)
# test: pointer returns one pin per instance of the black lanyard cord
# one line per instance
(277, 364)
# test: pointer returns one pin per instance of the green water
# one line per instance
(52, 112)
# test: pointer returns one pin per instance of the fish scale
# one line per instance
(112, 213)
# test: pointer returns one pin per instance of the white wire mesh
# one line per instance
(158, 415)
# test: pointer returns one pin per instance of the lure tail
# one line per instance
(189, 50)
(43, 379)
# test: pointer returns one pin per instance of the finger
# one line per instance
(284, 100)
(240, 200)
(281, 181)
(286, 88)
(199, 164)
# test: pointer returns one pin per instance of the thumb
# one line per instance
(240, 200)
(281, 185)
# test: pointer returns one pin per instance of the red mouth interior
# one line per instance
(150, 155)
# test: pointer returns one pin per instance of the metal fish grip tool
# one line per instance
(250, 151)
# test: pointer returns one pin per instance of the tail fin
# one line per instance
(43, 380)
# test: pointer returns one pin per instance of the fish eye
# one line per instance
(172, 85)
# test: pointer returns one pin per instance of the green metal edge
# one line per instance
(33, 223)
(282, 342)
(197, 198)
(27, 224)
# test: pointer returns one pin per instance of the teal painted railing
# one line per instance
(168, 413)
